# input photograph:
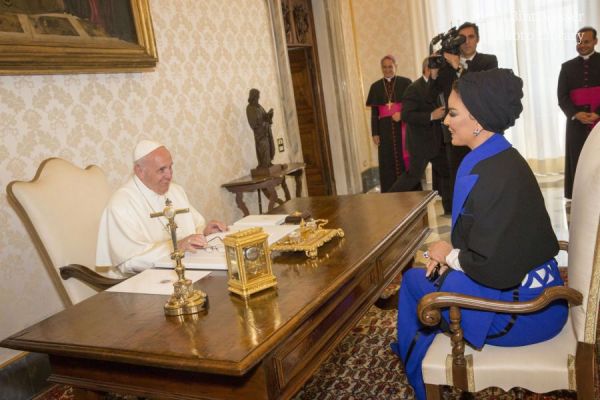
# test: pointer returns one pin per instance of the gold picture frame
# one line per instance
(76, 36)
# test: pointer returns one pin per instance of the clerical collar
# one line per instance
(588, 56)
(463, 60)
(147, 192)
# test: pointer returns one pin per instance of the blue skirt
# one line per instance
(479, 327)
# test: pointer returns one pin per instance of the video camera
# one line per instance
(450, 43)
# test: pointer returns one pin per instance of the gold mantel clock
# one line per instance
(248, 262)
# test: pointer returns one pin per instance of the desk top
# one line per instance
(231, 336)
(250, 180)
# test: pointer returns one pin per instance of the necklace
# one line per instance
(166, 228)
(389, 95)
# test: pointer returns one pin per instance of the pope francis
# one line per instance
(128, 238)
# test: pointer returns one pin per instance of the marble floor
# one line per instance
(552, 190)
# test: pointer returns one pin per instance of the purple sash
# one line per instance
(586, 96)
(384, 112)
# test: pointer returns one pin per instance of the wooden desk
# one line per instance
(263, 349)
(267, 184)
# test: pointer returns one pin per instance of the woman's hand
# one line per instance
(439, 250)
(432, 265)
(436, 257)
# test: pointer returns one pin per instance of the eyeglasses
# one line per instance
(217, 245)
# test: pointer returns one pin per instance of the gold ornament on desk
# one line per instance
(248, 262)
(308, 238)
(184, 300)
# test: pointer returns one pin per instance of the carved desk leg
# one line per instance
(239, 200)
(268, 191)
(298, 177)
(272, 196)
(286, 190)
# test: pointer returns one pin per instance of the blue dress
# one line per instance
(507, 248)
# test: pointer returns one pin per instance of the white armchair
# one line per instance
(61, 209)
(567, 361)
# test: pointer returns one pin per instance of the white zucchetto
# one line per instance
(145, 147)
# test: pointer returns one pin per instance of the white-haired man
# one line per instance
(128, 238)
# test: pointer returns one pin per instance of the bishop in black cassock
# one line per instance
(385, 100)
(579, 98)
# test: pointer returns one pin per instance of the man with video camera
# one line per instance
(455, 63)
(424, 139)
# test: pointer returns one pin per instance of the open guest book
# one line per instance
(154, 281)
(213, 257)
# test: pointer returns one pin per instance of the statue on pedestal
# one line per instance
(260, 121)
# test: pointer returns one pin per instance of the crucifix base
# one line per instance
(185, 300)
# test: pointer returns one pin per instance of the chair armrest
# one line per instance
(429, 311)
(88, 276)
(430, 305)
(563, 245)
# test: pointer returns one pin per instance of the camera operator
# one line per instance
(469, 60)
(424, 139)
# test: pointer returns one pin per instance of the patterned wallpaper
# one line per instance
(211, 53)
(382, 27)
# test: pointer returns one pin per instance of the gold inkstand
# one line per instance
(308, 238)
(184, 300)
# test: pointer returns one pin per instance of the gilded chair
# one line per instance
(61, 209)
(567, 361)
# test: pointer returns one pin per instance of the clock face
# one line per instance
(252, 253)
(254, 258)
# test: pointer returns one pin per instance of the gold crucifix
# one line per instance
(184, 299)
(389, 104)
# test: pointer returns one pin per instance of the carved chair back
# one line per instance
(61, 209)
(584, 239)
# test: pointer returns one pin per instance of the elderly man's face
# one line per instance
(155, 170)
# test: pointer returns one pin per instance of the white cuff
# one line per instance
(452, 260)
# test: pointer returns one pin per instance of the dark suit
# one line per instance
(443, 84)
(573, 75)
(424, 141)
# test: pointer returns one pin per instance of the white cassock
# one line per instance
(132, 241)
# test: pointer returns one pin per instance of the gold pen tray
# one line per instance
(308, 238)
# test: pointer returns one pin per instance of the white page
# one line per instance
(213, 258)
(154, 281)
(261, 220)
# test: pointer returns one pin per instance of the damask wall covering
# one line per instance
(211, 52)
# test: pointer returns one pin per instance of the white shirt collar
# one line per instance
(588, 56)
(389, 79)
(463, 60)
(425, 78)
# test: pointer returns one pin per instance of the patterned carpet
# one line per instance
(362, 368)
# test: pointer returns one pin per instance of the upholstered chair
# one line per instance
(565, 362)
(61, 209)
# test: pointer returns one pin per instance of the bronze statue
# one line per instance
(260, 121)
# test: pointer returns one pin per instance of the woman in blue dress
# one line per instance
(503, 245)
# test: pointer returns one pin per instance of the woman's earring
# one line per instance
(477, 131)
